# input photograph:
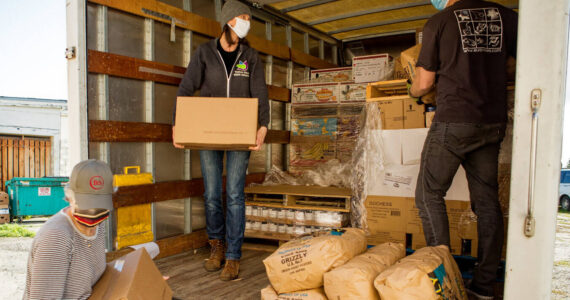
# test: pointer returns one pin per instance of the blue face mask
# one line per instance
(439, 4)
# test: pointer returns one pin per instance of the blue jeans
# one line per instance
(232, 229)
(476, 148)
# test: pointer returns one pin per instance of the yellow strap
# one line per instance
(126, 169)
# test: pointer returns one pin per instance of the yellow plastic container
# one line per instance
(134, 223)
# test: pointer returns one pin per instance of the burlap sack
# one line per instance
(429, 273)
(355, 279)
(300, 264)
(269, 293)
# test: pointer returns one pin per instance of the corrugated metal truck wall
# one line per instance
(137, 54)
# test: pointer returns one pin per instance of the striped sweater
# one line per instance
(63, 262)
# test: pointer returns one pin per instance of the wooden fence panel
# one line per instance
(24, 157)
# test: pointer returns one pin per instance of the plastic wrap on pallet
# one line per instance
(367, 160)
(331, 173)
(467, 227)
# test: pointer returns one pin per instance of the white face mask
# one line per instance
(241, 28)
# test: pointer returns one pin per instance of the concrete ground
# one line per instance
(14, 258)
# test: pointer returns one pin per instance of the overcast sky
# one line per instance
(32, 53)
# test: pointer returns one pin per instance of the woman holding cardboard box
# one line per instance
(227, 67)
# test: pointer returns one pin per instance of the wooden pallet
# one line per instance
(300, 197)
(296, 222)
(270, 235)
(387, 90)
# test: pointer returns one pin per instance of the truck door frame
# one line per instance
(541, 64)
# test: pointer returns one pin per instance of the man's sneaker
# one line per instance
(217, 255)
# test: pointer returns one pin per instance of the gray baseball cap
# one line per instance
(92, 182)
(232, 9)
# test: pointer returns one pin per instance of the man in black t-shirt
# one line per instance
(464, 52)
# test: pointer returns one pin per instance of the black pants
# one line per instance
(476, 148)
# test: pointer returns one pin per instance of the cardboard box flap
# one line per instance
(133, 276)
(412, 145)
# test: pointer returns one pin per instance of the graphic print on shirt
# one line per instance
(242, 69)
(481, 29)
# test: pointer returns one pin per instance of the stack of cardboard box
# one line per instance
(4, 208)
(325, 112)
(392, 215)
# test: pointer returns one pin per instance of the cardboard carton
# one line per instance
(315, 93)
(4, 199)
(4, 214)
(385, 213)
(392, 114)
(133, 276)
(429, 118)
(350, 92)
(216, 123)
(332, 74)
(409, 60)
(413, 114)
(371, 68)
(399, 72)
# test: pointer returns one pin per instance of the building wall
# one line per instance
(40, 118)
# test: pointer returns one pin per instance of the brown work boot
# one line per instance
(217, 255)
(231, 270)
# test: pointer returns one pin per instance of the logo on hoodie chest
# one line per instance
(241, 69)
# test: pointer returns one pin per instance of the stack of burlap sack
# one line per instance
(338, 266)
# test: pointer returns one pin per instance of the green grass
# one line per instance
(562, 263)
(15, 230)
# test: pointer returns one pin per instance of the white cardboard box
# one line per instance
(315, 93)
(332, 74)
(402, 154)
(350, 92)
(370, 68)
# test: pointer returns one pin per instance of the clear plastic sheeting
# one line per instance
(367, 161)
(330, 173)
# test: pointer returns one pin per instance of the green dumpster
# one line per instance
(36, 196)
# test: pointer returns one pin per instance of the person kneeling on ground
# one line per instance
(68, 253)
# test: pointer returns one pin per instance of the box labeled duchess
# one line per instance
(216, 123)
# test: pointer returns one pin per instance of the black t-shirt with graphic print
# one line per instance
(467, 45)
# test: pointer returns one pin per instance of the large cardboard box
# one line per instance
(133, 276)
(332, 74)
(315, 93)
(384, 213)
(401, 113)
(4, 199)
(409, 59)
(413, 114)
(4, 214)
(371, 68)
(392, 113)
(216, 123)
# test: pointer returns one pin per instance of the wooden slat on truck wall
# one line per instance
(24, 157)
(170, 246)
(135, 68)
(116, 131)
(130, 67)
(162, 12)
(169, 190)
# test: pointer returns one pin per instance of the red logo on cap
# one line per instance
(96, 182)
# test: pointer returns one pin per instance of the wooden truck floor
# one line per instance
(189, 279)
